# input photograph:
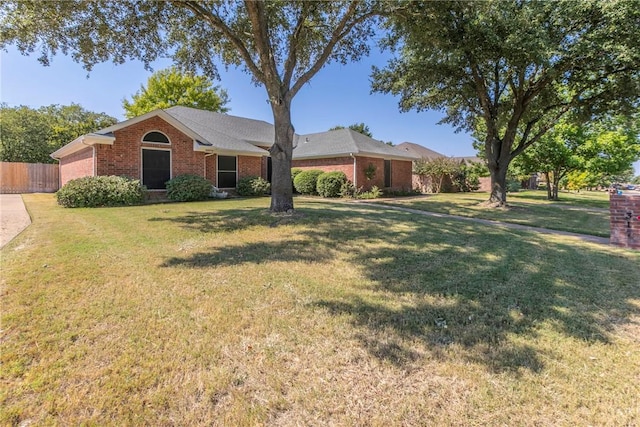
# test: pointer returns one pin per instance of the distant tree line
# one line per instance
(31, 135)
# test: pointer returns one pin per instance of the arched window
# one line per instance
(156, 137)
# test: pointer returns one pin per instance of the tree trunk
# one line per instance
(549, 185)
(498, 185)
(497, 152)
(556, 184)
(281, 153)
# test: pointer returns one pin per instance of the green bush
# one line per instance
(348, 190)
(253, 186)
(94, 191)
(330, 183)
(294, 173)
(513, 185)
(306, 181)
(374, 193)
(188, 188)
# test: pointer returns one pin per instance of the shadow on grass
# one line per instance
(444, 284)
(594, 223)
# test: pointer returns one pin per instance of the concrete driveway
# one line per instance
(13, 217)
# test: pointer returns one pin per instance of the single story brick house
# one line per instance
(163, 144)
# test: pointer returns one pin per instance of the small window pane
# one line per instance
(226, 179)
(227, 163)
(156, 137)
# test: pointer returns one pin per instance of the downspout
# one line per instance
(355, 171)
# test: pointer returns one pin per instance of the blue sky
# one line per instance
(337, 95)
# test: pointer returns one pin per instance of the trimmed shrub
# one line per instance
(307, 181)
(94, 191)
(253, 186)
(294, 173)
(188, 188)
(330, 183)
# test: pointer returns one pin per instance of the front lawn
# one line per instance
(585, 213)
(218, 313)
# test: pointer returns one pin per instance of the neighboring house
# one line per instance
(354, 154)
(422, 183)
(163, 144)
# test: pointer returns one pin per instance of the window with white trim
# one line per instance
(156, 168)
(156, 137)
(227, 171)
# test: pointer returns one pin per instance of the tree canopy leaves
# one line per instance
(591, 153)
(516, 66)
(358, 127)
(171, 87)
(31, 135)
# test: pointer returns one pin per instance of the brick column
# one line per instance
(625, 220)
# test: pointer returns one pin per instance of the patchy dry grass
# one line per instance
(578, 213)
(217, 313)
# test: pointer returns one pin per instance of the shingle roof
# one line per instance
(343, 142)
(222, 132)
(217, 131)
(419, 151)
(256, 132)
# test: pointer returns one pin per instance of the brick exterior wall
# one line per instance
(400, 170)
(401, 174)
(124, 157)
(250, 166)
(362, 163)
(76, 165)
(625, 220)
(335, 164)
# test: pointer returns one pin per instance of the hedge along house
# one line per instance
(163, 144)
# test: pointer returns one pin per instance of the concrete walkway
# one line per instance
(13, 217)
(584, 237)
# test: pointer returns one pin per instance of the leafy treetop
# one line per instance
(31, 135)
(171, 87)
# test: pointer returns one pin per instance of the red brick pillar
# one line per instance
(625, 220)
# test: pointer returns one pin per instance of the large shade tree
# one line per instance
(282, 44)
(514, 66)
(171, 87)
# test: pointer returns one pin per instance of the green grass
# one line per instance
(218, 313)
(582, 213)
(585, 199)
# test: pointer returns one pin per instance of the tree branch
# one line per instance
(292, 59)
(255, 10)
(342, 29)
(220, 25)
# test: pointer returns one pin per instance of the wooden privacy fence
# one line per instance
(28, 178)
